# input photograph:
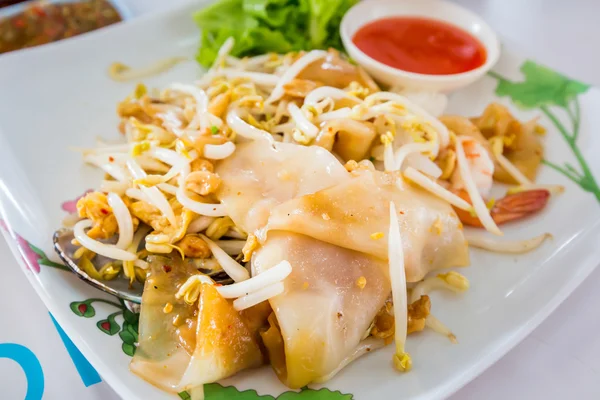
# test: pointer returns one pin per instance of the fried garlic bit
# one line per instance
(436, 227)
(418, 311)
(361, 282)
(200, 164)
(376, 235)
(202, 182)
(193, 246)
(383, 325)
(351, 165)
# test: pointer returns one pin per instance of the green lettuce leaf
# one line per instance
(262, 26)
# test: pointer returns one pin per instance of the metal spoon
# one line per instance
(119, 287)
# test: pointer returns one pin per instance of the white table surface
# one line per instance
(560, 359)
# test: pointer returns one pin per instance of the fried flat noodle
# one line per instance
(335, 71)
(192, 344)
(323, 312)
(258, 176)
(355, 215)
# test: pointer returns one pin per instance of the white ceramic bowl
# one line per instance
(367, 11)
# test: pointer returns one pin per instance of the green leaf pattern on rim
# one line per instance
(43, 260)
(551, 92)
(215, 391)
(128, 330)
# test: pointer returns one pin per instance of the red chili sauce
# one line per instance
(421, 45)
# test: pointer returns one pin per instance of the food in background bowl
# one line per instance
(41, 23)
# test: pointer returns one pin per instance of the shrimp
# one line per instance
(481, 165)
(509, 208)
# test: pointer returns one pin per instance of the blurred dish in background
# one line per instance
(4, 3)
(41, 22)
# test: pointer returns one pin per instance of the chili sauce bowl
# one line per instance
(366, 12)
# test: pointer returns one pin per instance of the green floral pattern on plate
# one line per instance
(128, 330)
(214, 391)
(551, 92)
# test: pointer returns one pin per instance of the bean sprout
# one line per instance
(103, 249)
(479, 205)
(429, 185)
(269, 277)
(259, 296)
(293, 71)
(506, 246)
(218, 151)
(237, 272)
(124, 220)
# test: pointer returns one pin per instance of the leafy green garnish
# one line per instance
(263, 26)
(214, 130)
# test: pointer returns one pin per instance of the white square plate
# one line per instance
(59, 95)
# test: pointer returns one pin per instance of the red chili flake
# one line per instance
(104, 211)
(402, 212)
(82, 308)
(105, 325)
(111, 159)
(167, 268)
(19, 23)
(39, 11)
(218, 284)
